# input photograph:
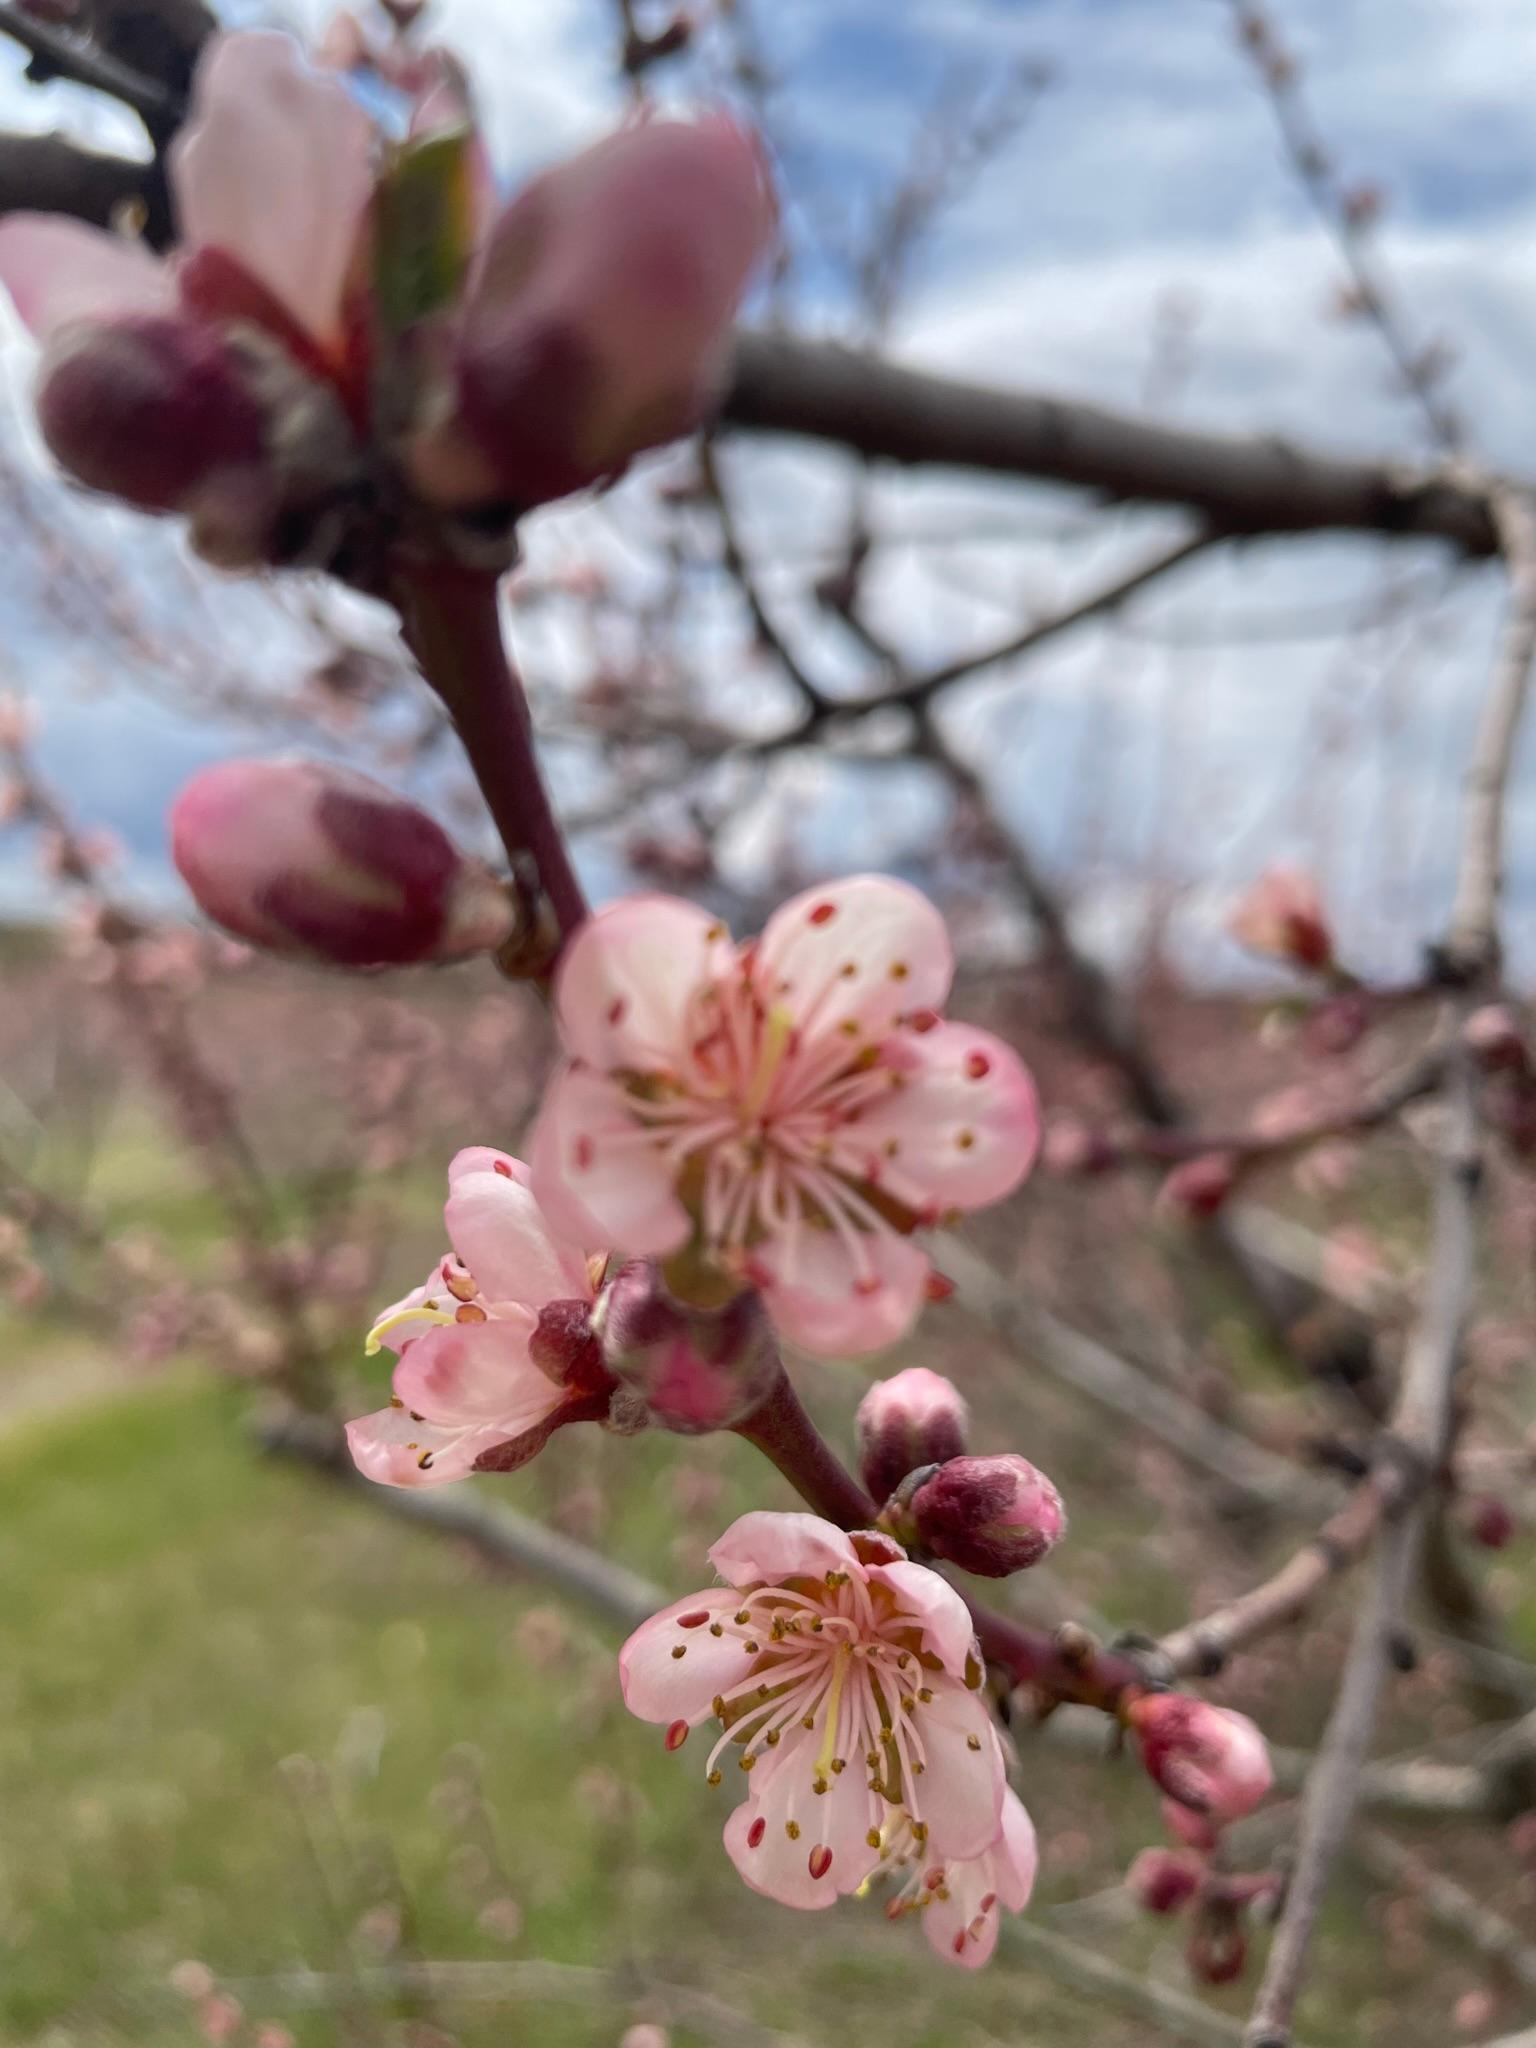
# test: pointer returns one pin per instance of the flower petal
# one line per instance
(834, 1306)
(966, 1127)
(763, 1548)
(275, 169)
(593, 1169)
(625, 986)
(891, 937)
(958, 1927)
(802, 1847)
(960, 1791)
(467, 1373)
(389, 1447)
(58, 270)
(660, 1686)
(504, 1238)
(936, 1607)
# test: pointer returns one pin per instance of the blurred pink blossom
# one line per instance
(784, 1113)
(1282, 916)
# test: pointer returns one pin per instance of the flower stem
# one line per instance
(451, 623)
(787, 1438)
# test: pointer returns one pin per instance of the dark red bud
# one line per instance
(696, 1369)
(991, 1516)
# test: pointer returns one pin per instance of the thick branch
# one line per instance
(1252, 485)
(53, 175)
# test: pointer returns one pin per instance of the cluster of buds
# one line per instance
(989, 1515)
(1217, 1904)
(1212, 1766)
(352, 342)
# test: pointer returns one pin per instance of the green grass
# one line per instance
(243, 1719)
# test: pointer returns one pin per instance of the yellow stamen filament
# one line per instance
(382, 1329)
(828, 1750)
(778, 1029)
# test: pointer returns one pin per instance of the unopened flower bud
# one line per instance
(1490, 1521)
(1208, 1758)
(991, 1516)
(1282, 916)
(310, 859)
(696, 1369)
(1198, 1187)
(1163, 1880)
(147, 408)
(1218, 1944)
(915, 1418)
(1495, 1039)
(602, 316)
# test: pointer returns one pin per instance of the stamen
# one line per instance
(382, 1328)
(677, 1735)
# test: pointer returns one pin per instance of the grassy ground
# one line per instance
(245, 1721)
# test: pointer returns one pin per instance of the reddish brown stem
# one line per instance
(452, 625)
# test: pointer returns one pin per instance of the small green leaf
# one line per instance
(425, 216)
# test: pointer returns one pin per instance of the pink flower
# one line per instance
(1198, 1187)
(1209, 1759)
(1282, 915)
(598, 321)
(991, 1516)
(160, 377)
(784, 1113)
(494, 1347)
(915, 1418)
(308, 858)
(846, 1683)
(960, 1899)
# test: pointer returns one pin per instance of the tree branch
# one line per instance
(1262, 484)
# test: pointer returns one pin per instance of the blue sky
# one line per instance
(1149, 175)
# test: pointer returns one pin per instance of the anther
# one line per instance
(973, 1742)
(679, 1649)
(819, 1862)
(792, 1829)
(677, 1735)
(693, 1620)
(756, 1832)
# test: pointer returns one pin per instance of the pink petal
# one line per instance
(659, 1686)
(1005, 1874)
(486, 1159)
(388, 1447)
(275, 169)
(830, 1304)
(892, 937)
(592, 1172)
(503, 1237)
(938, 1609)
(762, 1548)
(827, 1855)
(625, 988)
(58, 270)
(966, 1125)
(462, 1374)
(960, 1791)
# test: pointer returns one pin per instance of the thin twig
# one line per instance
(67, 56)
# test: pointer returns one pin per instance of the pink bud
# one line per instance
(1282, 916)
(147, 408)
(1073, 1147)
(696, 1369)
(1218, 1945)
(991, 1516)
(1490, 1522)
(600, 321)
(1163, 1880)
(1199, 1187)
(310, 859)
(1189, 1827)
(916, 1418)
(1208, 1758)
(1495, 1039)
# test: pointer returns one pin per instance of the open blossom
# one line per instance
(494, 1350)
(782, 1114)
(846, 1685)
(1209, 1759)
